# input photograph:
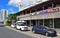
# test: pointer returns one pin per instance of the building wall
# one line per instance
(3, 16)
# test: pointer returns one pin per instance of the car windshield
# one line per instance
(13, 23)
(21, 24)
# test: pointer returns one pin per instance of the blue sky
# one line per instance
(13, 6)
(10, 8)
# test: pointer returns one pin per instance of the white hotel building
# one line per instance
(3, 16)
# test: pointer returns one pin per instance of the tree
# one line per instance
(11, 17)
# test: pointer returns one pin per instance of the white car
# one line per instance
(13, 25)
(21, 26)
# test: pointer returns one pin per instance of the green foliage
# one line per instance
(11, 17)
(8, 23)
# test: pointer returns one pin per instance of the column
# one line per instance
(26, 23)
(37, 18)
(36, 22)
(43, 16)
(50, 24)
(53, 21)
(22, 13)
(35, 11)
(53, 16)
(26, 12)
(30, 17)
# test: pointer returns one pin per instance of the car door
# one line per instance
(41, 30)
(38, 29)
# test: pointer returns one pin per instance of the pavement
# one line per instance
(9, 33)
(29, 33)
(58, 31)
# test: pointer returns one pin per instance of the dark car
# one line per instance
(44, 30)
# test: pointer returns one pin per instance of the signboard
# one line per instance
(44, 11)
(48, 11)
(39, 12)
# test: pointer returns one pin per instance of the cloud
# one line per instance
(14, 2)
(22, 3)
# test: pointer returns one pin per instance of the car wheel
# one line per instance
(16, 29)
(33, 31)
(20, 29)
(47, 34)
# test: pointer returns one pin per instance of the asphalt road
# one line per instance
(8, 33)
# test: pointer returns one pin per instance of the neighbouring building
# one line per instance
(3, 16)
(46, 13)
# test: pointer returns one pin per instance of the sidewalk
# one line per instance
(58, 31)
(31, 34)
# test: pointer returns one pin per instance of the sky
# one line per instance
(4, 5)
(13, 6)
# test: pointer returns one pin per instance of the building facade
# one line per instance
(3, 16)
(46, 14)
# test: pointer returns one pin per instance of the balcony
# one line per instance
(34, 15)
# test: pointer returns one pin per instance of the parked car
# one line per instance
(21, 26)
(13, 25)
(43, 30)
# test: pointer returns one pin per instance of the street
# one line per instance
(8, 33)
(29, 33)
